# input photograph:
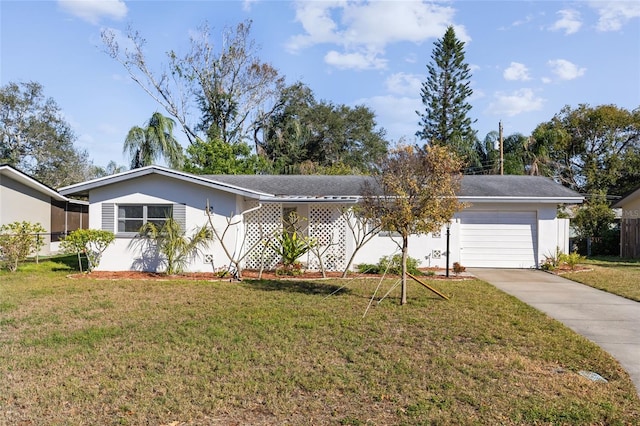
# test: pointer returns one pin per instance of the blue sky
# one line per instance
(528, 58)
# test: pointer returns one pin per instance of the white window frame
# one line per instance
(145, 218)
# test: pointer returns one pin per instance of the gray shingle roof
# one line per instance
(328, 188)
(351, 186)
(513, 186)
(297, 185)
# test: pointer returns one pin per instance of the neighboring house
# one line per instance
(23, 198)
(511, 221)
(630, 224)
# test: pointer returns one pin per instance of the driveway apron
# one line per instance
(610, 321)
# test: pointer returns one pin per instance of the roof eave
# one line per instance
(84, 187)
(25, 180)
(310, 199)
(509, 199)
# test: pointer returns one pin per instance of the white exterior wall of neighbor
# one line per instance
(34, 207)
(157, 189)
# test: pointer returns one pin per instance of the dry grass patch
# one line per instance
(285, 352)
(614, 276)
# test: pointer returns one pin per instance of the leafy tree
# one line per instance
(229, 86)
(217, 157)
(90, 242)
(171, 241)
(303, 135)
(18, 240)
(146, 145)
(592, 149)
(416, 194)
(515, 155)
(35, 139)
(112, 168)
(445, 95)
(593, 219)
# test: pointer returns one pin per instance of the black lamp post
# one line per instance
(447, 253)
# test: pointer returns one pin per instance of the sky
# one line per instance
(528, 59)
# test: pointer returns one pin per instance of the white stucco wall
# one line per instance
(156, 189)
(420, 246)
(551, 233)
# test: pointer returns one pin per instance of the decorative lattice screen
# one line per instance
(261, 226)
(328, 227)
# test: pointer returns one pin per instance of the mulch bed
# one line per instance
(246, 274)
(564, 269)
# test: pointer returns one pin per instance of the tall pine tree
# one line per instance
(445, 95)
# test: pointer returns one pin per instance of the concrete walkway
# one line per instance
(612, 322)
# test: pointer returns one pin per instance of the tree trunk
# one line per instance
(353, 256)
(405, 246)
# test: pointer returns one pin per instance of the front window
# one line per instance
(132, 217)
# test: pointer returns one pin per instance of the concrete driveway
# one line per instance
(612, 322)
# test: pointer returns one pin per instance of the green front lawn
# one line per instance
(82, 351)
(621, 277)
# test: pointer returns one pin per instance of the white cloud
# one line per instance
(514, 103)
(404, 84)
(615, 14)
(565, 70)
(356, 61)
(569, 21)
(516, 72)
(93, 11)
(246, 5)
(365, 29)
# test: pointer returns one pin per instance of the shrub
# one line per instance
(291, 243)
(391, 265)
(572, 259)
(292, 269)
(171, 241)
(90, 242)
(458, 268)
(18, 240)
(551, 260)
(367, 268)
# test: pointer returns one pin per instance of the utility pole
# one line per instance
(501, 149)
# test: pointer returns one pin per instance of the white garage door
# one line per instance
(498, 239)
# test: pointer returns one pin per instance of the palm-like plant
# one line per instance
(171, 242)
(146, 145)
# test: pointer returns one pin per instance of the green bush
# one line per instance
(367, 268)
(391, 265)
(572, 259)
(90, 242)
(18, 240)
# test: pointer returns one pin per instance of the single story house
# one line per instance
(510, 221)
(629, 224)
(23, 198)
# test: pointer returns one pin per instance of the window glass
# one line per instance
(130, 212)
(158, 212)
(131, 225)
(132, 217)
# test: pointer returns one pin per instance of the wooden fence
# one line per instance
(630, 238)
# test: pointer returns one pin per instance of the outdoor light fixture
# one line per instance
(448, 234)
